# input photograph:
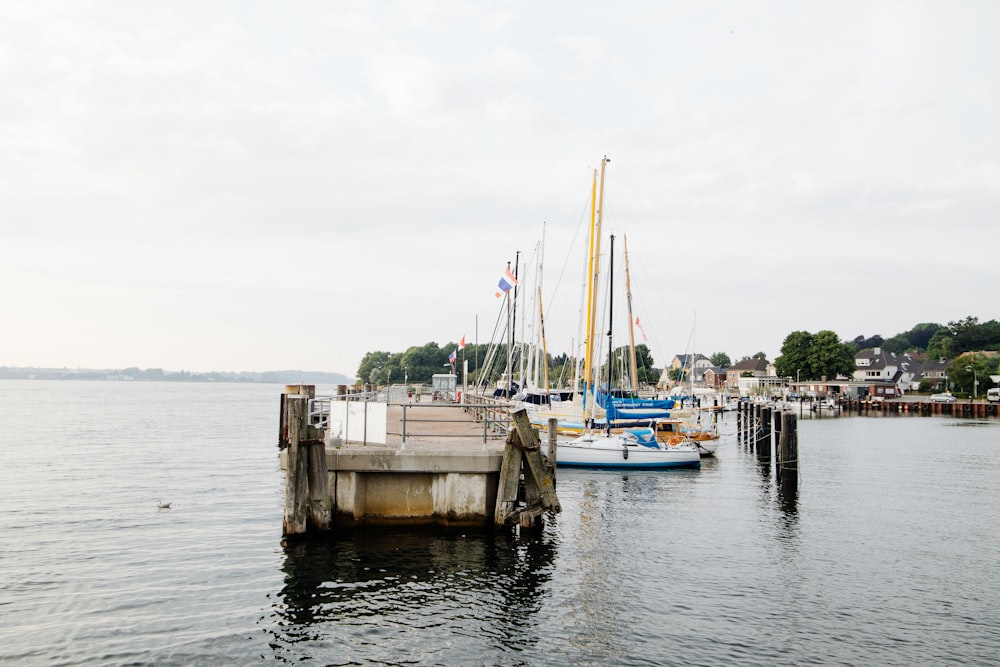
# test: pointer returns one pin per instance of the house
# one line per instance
(715, 378)
(694, 366)
(932, 371)
(887, 374)
(757, 368)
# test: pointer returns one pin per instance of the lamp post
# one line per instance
(975, 381)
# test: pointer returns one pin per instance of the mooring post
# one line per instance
(776, 437)
(522, 455)
(307, 498)
(296, 468)
(763, 443)
(788, 446)
(739, 423)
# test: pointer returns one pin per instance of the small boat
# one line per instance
(706, 439)
(632, 449)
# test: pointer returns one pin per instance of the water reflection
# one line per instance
(367, 595)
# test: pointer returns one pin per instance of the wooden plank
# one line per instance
(510, 479)
(544, 478)
(319, 496)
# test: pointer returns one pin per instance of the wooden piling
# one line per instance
(788, 449)
(763, 439)
(307, 499)
(297, 469)
(776, 420)
(524, 468)
(739, 423)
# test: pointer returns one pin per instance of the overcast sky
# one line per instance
(263, 186)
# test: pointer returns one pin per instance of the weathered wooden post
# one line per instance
(776, 438)
(788, 450)
(307, 499)
(763, 443)
(739, 423)
(522, 455)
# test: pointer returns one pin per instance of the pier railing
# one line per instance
(425, 421)
(366, 417)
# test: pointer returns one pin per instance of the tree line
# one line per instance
(418, 364)
(804, 355)
(962, 344)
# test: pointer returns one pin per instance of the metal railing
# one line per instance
(495, 423)
(493, 415)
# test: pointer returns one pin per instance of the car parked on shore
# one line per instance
(943, 398)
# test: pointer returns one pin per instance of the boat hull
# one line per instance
(610, 453)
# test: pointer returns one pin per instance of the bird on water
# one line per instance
(162, 505)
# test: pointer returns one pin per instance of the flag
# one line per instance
(507, 280)
(452, 356)
(461, 344)
(641, 330)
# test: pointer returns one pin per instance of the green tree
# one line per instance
(914, 340)
(899, 344)
(759, 355)
(424, 361)
(971, 336)
(807, 356)
(373, 367)
(921, 334)
(830, 357)
(721, 360)
(794, 359)
(941, 345)
(966, 369)
(862, 343)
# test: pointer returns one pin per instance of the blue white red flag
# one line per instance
(507, 281)
(452, 356)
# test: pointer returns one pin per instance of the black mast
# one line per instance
(611, 319)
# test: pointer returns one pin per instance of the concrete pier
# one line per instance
(445, 471)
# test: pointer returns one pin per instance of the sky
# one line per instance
(249, 186)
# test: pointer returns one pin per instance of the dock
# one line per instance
(365, 462)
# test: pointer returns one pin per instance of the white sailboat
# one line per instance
(632, 448)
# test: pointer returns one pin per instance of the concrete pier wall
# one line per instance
(387, 486)
(391, 487)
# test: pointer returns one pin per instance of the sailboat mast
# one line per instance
(588, 334)
(595, 264)
(545, 352)
(611, 319)
(631, 325)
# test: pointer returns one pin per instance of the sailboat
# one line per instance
(630, 406)
(632, 448)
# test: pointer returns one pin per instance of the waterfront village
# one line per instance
(878, 375)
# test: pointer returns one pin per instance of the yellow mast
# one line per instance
(588, 332)
(594, 272)
(631, 327)
(545, 352)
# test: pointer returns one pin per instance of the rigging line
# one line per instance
(582, 221)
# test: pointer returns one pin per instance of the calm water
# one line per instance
(887, 554)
